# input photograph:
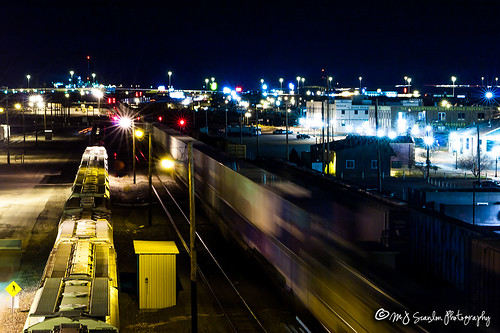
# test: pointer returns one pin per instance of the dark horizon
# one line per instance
(239, 43)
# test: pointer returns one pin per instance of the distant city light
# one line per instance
(392, 135)
(226, 90)
(489, 95)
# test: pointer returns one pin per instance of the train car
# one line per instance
(311, 252)
(79, 287)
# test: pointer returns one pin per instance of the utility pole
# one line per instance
(257, 130)
(192, 233)
(8, 128)
(150, 156)
(478, 158)
(379, 167)
(286, 131)
(323, 138)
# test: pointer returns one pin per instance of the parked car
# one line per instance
(487, 184)
(282, 131)
(303, 136)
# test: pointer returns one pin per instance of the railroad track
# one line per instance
(235, 284)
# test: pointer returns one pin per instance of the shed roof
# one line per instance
(155, 247)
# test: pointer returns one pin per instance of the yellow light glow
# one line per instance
(139, 133)
(1, 110)
(167, 164)
(17, 106)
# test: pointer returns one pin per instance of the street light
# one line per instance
(8, 131)
(169, 78)
(298, 83)
(303, 80)
(360, 78)
(71, 73)
(206, 83)
(281, 83)
(28, 77)
(482, 81)
(18, 107)
(98, 94)
(453, 79)
(409, 85)
(428, 140)
(126, 123)
(93, 78)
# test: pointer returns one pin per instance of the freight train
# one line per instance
(286, 226)
(79, 287)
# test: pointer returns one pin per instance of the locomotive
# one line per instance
(79, 287)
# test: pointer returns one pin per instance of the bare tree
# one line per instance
(469, 163)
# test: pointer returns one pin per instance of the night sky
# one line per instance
(240, 42)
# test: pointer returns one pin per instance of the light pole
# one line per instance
(496, 79)
(192, 233)
(8, 130)
(93, 78)
(169, 79)
(28, 77)
(360, 78)
(303, 80)
(71, 73)
(206, 84)
(281, 83)
(298, 83)
(428, 140)
(453, 79)
(478, 158)
(18, 107)
(127, 123)
(482, 81)
(98, 94)
(409, 85)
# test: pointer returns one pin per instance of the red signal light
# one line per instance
(160, 118)
(238, 89)
(182, 122)
(405, 90)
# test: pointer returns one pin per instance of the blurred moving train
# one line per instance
(286, 225)
(79, 288)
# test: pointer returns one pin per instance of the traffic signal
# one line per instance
(111, 100)
(160, 118)
(138, 94)
(182, 122)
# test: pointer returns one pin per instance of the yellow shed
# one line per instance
(156, 273)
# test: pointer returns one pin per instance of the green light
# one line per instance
(213, 86)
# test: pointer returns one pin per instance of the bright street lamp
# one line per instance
(71, 73)
(453, 79)
(409, 85)
(360, 78)
(281, 83)
(8, 131)
(28, 77)
(298, 83)
(428, 141)
(169, 78)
